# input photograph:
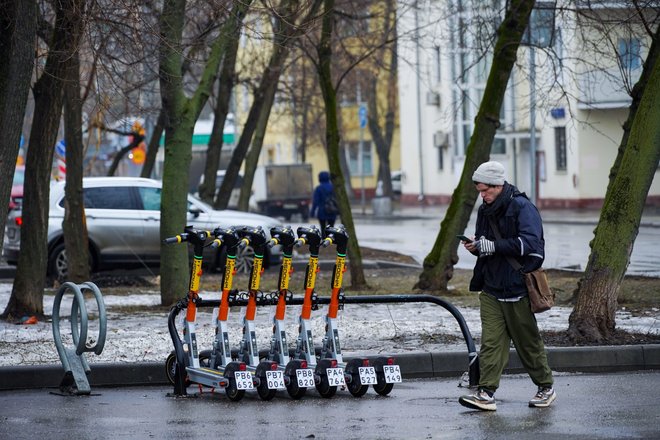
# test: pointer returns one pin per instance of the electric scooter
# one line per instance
(186, 363)
(296, 375)
(269, 377)
(357, 373)
(317, 373)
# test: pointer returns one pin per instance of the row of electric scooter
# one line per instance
(245, 369)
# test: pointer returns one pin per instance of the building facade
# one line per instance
(566, 101)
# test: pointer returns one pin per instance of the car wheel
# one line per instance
(244, 259)
(58, 263)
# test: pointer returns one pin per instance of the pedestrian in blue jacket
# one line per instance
(324, 205)
(505, 311)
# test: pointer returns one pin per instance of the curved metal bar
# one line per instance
(100, 342)
(78, 304)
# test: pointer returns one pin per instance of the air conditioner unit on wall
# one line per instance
(433, 98)
(440, 139)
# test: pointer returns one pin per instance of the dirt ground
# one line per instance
(637, 295)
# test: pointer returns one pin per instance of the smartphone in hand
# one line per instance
(464, 238)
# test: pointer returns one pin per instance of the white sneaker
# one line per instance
(480, 400)
(543, 397)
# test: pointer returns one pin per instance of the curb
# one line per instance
(601, 359)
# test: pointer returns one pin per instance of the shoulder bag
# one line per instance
(541, 297)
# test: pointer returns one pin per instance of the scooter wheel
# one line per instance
(325, 389)
(381, 387)
(233, 393)
(264, 392)
(356, 388)
(295, 391)
(170, 369)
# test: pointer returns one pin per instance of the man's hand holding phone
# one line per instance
(464, 238)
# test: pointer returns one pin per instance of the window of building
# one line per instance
(629, 53)
(353, 156)
(499, 146)
(437, 63)
(560, 148)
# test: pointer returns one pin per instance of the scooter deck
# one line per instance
(207, 376)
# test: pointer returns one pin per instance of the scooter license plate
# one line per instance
(275, 380)
(392, 373)
(243, 380)
(335, 377)
(367, 375)
(305, 377)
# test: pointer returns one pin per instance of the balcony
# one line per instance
(605, 89)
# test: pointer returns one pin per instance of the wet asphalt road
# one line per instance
(588, 406)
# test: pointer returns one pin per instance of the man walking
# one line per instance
(508, 227)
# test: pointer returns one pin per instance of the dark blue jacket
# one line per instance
(322, 192)
(521, 230)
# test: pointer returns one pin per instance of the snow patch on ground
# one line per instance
(364, 328)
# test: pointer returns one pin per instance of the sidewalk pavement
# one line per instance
(600, 359)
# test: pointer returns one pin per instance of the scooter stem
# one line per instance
(310, 236)
(283, 236)
(339, 237)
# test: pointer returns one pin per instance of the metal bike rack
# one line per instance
(73, 360)
(473, 357)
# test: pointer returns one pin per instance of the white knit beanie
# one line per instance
(490, 173)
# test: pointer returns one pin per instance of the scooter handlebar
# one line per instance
(242, 244)
(176, 239)
(216, 243)
(326, 242)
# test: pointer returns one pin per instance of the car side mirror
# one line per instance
(194, 212)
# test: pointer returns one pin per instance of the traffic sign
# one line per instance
(362, 116)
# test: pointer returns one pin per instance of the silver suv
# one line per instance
(123, 225)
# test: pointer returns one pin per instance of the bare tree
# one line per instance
(181, 113)
(285, 36)
(27, 292)
(74, 227)
(439, 263)
(593, 318)
(18, 21)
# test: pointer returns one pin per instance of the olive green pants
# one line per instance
(501, 323)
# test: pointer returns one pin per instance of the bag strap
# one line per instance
(512, 261)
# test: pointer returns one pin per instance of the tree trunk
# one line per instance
(252, 158)
(439, 263)
(18, 21)
(181, 114)
(289, 31)
(593, 318)
(332, 141)
(213, 153)
(383, 138)
(74, 226)
(28, 289)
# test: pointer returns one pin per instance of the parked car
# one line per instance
(17, 188)
(123, 225)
